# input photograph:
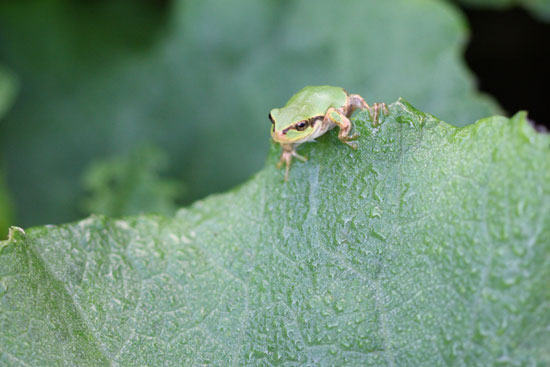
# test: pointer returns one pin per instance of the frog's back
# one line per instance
(321, 97)
(315, 100)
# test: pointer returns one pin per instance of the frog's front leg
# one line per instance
(337, 117)
(289, 151)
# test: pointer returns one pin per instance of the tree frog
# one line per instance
(312, 112)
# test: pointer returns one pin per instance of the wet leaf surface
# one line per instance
(429, 245)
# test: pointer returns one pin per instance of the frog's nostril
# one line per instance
(279, 135)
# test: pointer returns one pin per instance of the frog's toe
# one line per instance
(286, 157)
(375, 111)
(300, 157)
(353, 136)
(348, 138)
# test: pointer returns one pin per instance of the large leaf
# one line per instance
(201, 86)
(428, 246)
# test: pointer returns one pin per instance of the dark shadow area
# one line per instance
(509, 51)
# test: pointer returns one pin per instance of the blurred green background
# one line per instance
(142, 106)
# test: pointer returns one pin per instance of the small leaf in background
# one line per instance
(197, 79)
(131, 184)
(8, 90)
(428, 246)
(6, 207)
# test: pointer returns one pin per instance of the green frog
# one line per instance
(312, 112)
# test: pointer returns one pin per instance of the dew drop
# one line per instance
(518, 249)
(375, 212)
(510, 281)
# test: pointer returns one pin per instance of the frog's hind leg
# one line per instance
(337, 117)
(375, 110)
(355, 101)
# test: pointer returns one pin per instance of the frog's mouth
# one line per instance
(279, 137)
(314, 128)
(290, 136)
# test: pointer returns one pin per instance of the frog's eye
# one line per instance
(301, 126)
(271, 118)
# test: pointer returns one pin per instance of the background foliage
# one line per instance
(196, 79)
(539, 8)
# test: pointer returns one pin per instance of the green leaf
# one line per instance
(201, 85)
(429, 245)
(6, 208)
(8, 90)
(131, 184)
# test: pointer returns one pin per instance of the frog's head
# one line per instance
(285, 129)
